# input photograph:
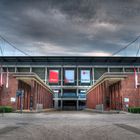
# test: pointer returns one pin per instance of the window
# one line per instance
(40, 72)
(98, 72)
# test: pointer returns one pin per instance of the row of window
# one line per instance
(69, 93)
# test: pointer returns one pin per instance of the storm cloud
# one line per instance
(70, 27)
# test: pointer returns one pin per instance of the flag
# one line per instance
(85, 76)
(53, 76)
(1, 76)
(136, 77)
(7, 79)
(69, 76)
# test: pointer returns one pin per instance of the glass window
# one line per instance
(129, 69)
(82, 93)
(40, 72)
(10, 69)
(69, 93)
(57, 93)
(98, 72)
(116, 69)
(23, 69)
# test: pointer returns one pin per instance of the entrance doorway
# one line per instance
(69, 105)
(81, 105)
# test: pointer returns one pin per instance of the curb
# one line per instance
(36, 111)
(104, 112)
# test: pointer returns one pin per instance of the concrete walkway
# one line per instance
(69, 125)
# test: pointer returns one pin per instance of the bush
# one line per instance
(134, 109)
(6, 109)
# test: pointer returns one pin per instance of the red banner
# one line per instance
(53, 76)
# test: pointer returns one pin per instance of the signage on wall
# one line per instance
(126, 100)
(56, 91)
(53, 76)
(13, 99)
(85, 76)
(69, 76)
(82, 93)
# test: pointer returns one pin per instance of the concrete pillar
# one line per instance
(77, 105)
(25, 97)
(61, 104)
(32, 96)
(29, 94)
(106, 94)
(56, 104)
(61, 76)
(77, 77)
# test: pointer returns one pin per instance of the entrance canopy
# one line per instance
(29, 77)
(111, 78)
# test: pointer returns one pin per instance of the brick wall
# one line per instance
(113, 96)
(7, 93)
(34, 92)
(128, 90)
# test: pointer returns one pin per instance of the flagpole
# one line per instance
(1, 76)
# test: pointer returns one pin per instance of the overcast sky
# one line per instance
(70, 27)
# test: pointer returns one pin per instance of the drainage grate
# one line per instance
(129, 128)
(8, 129)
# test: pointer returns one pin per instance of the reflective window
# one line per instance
(98, 72)
(40, 72)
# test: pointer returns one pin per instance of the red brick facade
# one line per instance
(114, 93)
(7, 93)
(35, 92)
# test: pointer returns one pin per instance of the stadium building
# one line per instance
(69, 78)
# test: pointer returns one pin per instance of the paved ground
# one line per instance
(69, 125)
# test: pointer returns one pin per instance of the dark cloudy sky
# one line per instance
(70, 27)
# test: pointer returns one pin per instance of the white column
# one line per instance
(30, 69)
(15, 69)
(123, 70)
(46, 76)
(93, 78)
(61, 87)
(108, 69)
